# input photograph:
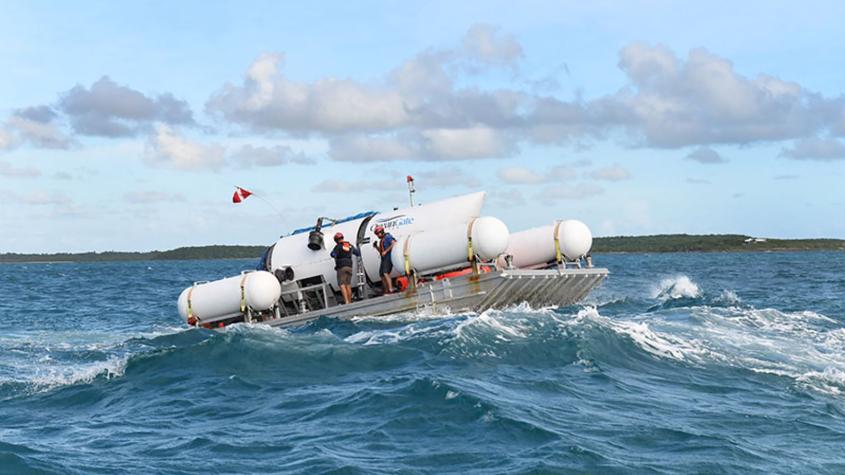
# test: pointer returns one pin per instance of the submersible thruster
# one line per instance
(448, 254)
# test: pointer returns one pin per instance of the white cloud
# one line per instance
(427, 145)
(446, 178)
(44, 198)
(487, 43)
(169, 149)
(371, 149)
(8, 170)
(520, 176)
(357, 186)
(524, 176)
(815, 148)
(277, 155)
(553, 194)
(462, 144)
(611, 173)
(706, 155)
(145, 197)
(268, 100)
(110, 110)
(702, 100)
(7, 140)
(34, 125)
(40, 134)
(427, 108)
(506, 198)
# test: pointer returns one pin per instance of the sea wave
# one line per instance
(805, 346)
(679, 286)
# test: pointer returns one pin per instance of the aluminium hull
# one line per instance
(497, 289)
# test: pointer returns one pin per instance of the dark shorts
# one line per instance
(344, 276)
(386, 266)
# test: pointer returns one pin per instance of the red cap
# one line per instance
(338, 237)
(379, 229)
(409, 178)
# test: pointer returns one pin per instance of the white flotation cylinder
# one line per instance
(449, 247)
(536, 247)
(225, 298)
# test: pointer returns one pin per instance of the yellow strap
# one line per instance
(190, 307)
(470, 253)
(407, 255)
(558, 256)
(243, 294)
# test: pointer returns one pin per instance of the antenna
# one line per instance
(411, 189)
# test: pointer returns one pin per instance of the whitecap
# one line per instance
(50, 378)
(676, 287)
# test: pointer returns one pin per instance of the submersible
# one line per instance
(446, 256)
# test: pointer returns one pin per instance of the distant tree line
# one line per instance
(709, 243)
(182, 253)
(657, 243)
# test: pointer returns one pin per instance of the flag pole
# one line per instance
(411, 189)
(268, 203)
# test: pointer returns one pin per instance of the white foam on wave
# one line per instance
(464, 330)
(52, 377)
(729, 297)
(422, 314)
(830, 380)
(253, 329)
(805, 346)
(679, 286)
(395, 335)
(44, 361)
(664, 345)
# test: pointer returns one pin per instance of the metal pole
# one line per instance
(411, 189)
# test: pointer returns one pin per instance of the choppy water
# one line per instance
(680, 363)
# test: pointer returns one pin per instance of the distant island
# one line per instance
(601, 245)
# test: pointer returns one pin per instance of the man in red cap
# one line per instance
(342, 253)
(385, 245)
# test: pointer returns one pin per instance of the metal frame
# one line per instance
(472, 292)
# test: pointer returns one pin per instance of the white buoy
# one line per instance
(535, 247)
(221, 299)
(449, 247)
(575, 239)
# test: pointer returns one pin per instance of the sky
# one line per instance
(126, 125)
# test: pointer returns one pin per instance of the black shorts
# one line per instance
(386, 266)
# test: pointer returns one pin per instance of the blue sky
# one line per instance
(125, 126)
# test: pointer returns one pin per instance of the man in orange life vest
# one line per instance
(342, 253)
(385, 245)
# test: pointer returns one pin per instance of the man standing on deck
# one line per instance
(342, 253)
(385, 245)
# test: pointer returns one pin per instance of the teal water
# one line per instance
(679, 363)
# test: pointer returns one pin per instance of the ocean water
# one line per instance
(679, 363)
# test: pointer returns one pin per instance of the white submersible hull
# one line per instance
(445, 257)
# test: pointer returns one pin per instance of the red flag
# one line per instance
(240, 194)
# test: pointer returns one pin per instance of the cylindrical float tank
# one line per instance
(439, 249)
(536, 247)
(220, 299)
